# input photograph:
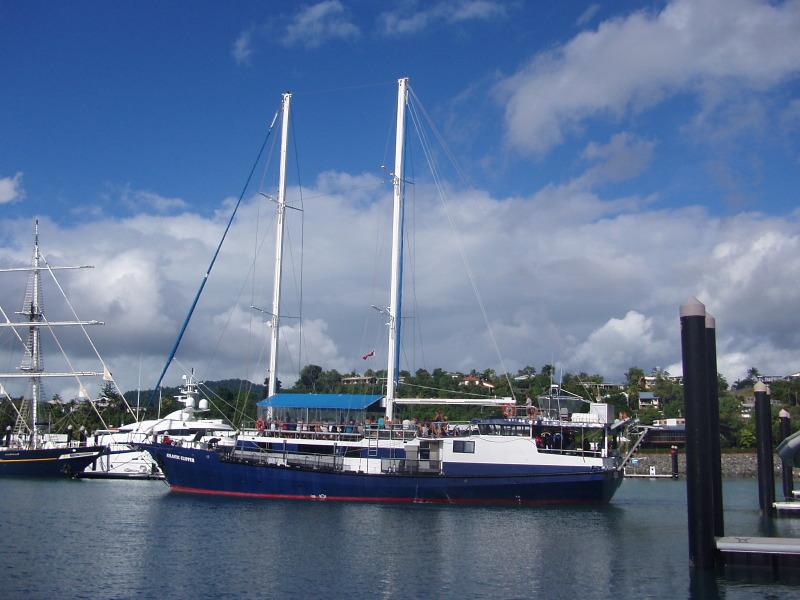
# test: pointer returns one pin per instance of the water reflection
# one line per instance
(135, 539)
(703, 585)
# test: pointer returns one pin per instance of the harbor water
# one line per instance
(103, 539)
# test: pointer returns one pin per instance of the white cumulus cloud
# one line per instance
(242, 48)
(411, 18)
(319, 23)
(631, 63)
(11, 189)
(564, 275)
(624, 157)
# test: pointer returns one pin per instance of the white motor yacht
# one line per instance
(123, 461)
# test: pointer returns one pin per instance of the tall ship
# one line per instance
(330, 447)
(26, 450)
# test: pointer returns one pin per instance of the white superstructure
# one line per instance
(182, 426)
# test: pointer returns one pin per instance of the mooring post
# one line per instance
(698, 462)
(766, 474)
(786, 431)
(673, 453)
(713, 425)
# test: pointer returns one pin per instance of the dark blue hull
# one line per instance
(49, 462)
(211, 472)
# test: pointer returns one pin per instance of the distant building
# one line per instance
(359, 380)
(649, 381)
(474, 380)
(670, 422)
(747, 406)
(603, 387)
(665, 433)
(649, 400)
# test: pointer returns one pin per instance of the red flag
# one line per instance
(368, 354)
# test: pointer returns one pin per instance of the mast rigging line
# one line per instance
(216, 254)
(89, 339)
(425, 145)
(302, 242)
(345, 88)
(71, 368)
(201, 384)
(459, 392)
(222, 330)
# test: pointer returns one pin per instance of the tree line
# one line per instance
(235, 400)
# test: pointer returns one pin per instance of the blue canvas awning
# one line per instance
(325, 401)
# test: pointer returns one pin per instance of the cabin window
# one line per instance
(314, 449)
(349, 451)
(464, 447)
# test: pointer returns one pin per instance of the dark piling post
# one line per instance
(713, 425)
(673, 453)
(786, 431)
(698, 462)
(766, 474)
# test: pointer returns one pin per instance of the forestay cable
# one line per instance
(214, 258)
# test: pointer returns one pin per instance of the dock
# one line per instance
(787, 507)
(770, 552)
(119, 476)
(650, 476)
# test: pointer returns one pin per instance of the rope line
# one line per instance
(214, 258)
(426, 149)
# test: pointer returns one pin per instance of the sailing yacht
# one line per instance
(310, 447)
(26, 451)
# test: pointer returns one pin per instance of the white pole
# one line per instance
(397, 249)
(138, 389)
(276, 288)
(35, 316)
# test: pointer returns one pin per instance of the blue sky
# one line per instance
(628, 127)
(102, 95)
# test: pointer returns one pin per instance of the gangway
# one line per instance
(634, 427)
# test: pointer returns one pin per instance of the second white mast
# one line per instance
(395, 306)
(276, 289)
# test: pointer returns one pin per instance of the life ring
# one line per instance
(509, 410)
(261, 425)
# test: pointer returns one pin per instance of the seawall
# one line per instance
(733, 465)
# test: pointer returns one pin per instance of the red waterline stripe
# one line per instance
(191, 490)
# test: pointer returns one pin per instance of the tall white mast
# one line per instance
(276, 288)
(35, 317)
(397, 249)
